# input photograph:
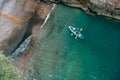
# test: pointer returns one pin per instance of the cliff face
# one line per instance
(109, 8)
(106, 7)
(13, 24)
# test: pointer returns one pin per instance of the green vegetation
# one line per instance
(7, 71)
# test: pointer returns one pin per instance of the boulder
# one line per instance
(14, 16)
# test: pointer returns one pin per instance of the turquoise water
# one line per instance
(59, 56)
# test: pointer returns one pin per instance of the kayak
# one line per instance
(76, 32)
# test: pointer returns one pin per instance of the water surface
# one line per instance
(59, 56)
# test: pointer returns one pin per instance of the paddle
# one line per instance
(75, 37)
(81, 29)
(71, 34)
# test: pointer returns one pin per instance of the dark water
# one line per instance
(59, 56)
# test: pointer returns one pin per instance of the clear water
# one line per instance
(59, 56)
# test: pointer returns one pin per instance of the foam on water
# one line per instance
(22, 48)
(48, 16)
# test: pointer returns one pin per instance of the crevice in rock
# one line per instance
(33, 21)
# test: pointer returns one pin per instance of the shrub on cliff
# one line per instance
(7, 71)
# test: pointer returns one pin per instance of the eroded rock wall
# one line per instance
(13, 24)
(109, 8)
(106, 7)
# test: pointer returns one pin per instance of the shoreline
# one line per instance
(24, 60)
(88, 11)
(90, 8)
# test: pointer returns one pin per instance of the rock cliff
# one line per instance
(109, 8)
(13, 22)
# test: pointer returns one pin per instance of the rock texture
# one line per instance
(22, 63)
(109, 8)
(106, 7)
(12, 30)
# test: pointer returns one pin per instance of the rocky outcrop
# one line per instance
(109, 8)
(106, 7)
(22, 62)
(14, 15)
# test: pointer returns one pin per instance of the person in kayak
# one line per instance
(78, 33)
(74, 29)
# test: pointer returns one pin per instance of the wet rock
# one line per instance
(23, 47)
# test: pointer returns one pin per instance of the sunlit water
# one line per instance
(59, 56)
